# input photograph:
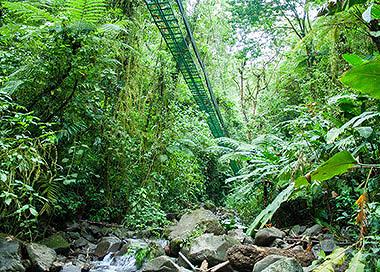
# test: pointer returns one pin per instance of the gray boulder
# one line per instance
(163, 264)
(41, 256)
(107, 245)
(209, 247)
(80, 242)
(10, 256)
(296, 230)
(72, 235)
(238, 234)
(328, 245)
(89, 237)
(95, 231)
(313, 230)
(267, 261)
(122, 232)
(265, 237)
(71, 268)
(284, 265)
(73, 226)
(191, 222)
(279, 243)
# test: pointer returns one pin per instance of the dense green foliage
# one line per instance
(111, 100)
(97, 123)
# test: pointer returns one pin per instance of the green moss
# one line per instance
(56, 242)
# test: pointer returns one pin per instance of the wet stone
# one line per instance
(328, 246)
(313, 231)
(81, 242)
(265, 237)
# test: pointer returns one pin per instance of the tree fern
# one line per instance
(28, 13)
(89, 11)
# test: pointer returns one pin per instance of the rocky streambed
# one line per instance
(197, 242)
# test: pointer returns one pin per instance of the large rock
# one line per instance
(107, 245)
(238, 234)
(163, 264)
(284, 265)
(313, 230)
(189, 222)
(10, 256)
(80, 242)
(89, 237)
(328, 245)
(200, 219)
(210, 247)
(267, 261)
(265, 237)
(70, 268)
(296, 230)
(57, 242)
(122, 232)
(41, 256)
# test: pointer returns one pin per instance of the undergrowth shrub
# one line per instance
(27, 169)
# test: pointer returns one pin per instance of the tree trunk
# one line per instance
(242, 96)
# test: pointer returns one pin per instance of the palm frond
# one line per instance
(89, 11)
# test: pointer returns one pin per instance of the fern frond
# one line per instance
(233, 144)
(118, 27)
(28, 13)
(89, 11)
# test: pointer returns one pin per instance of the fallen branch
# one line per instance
(101, 224)
(315, 241)
(193, 268)
(219, 266)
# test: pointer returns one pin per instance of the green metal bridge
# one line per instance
(187, 57)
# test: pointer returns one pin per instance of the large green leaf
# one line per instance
(355, 264)
(340, 163)
(353, 59)
(365, 78)
(371, 13)
(355, 123)
(268, 212)
(375, 12)
(337, 257)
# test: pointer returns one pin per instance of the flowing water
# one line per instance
(126, 263)
(111, 263)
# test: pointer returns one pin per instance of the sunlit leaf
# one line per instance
(340, 163)
(355, 264)
(337, 257)
(301, 182)
(8, 201)
(33, 211)
(365, 132)
(353, 59)
(365, 78)
(3, 177)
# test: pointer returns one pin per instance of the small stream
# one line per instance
(125, 263)
(110, 263)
